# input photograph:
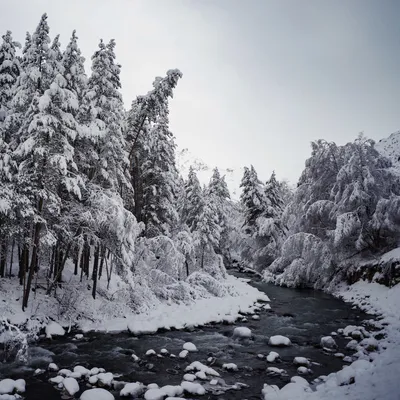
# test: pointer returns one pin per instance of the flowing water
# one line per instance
(302, 315)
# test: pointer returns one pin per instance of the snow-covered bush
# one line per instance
(306, 261)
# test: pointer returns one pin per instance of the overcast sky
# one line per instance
(261, 78)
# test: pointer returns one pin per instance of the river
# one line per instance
(302, 315)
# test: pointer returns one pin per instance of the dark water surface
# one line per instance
(302, 315)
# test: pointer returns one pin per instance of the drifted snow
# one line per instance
(96, 394)
(279, 340)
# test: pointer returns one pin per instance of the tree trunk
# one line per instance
(34, 258)
(95, 270)
(12, 257)
(3, 258)
(103, 256)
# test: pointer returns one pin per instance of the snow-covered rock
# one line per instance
(276, 371)
(279, 340)
(134, 389)
(150, 352)
(135, 358)
(189, 346)
(96, 394)
(255, 317)
(164, 352)
(198, 366)
(172, 390)
(71, 386)
(64, 372)
(328, 342)
(189, 377)
(242, 332)
(154, 394)
(193, 388)
(303, 371)
(105, 378)
(57, 379)
(352, 345)
(81, 370)
(301, 361)
(8, 386)
(54, 329)
(200, 375)
(369, 344)
(78, 336)
(183, 354)
(272, 356)
(230, 367)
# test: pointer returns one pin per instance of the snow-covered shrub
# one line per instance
(207, 282)
(306, 261)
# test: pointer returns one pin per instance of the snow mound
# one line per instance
(8, 386)
(71, 386)
(279, 340)
(172, 390)
(193, 388)
(198, 366)
(132, 389)
(54, 329)
(183, 354)
(242, 332)
(230, 367)
(189, 347)
(272, 356)
(96, 394)
(154, 394)
(328, 342)
(189, 377)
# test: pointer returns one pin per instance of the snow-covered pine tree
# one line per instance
(159, 181)
(144, 112)
(218, 189)
(9, 72)
(101, 145)
(252, 199)
(193, 200)
(74, 68)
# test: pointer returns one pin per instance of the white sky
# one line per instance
(261, 78)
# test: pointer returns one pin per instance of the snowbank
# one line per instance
(179, 316)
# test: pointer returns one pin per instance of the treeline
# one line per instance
(84, 181)
(345, 209)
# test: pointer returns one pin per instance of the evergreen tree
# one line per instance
(193, 200)
(252, 199)
(9, 72)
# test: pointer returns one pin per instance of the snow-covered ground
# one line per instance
(110, 314)
(374, 379)
(179, 316)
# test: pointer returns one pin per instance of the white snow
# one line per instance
(150, 352)
(8, 386)
(328, 342)
(52, 367)
(105, 378)
(96, 394)
(301, 361)
(172, 390)
(132, 389)
(193, 388)
(154, 394)
(183, 354)
(81, 370)
(230, 367)
(200, 375)
(164, 352)
(57, 379)
(198, 366)
(71, 386)
(279, 340)
(272, 356)
(242, 332)
(189, 347)
(64, 372)
(189, 377)
(54, 329)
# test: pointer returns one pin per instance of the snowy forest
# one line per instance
(92, 202)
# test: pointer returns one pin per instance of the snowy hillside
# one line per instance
(185, 159)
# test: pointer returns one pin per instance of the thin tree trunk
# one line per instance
(12, 256)
(34, 258)
(103, 256)
(95, 270)
(3, 258)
